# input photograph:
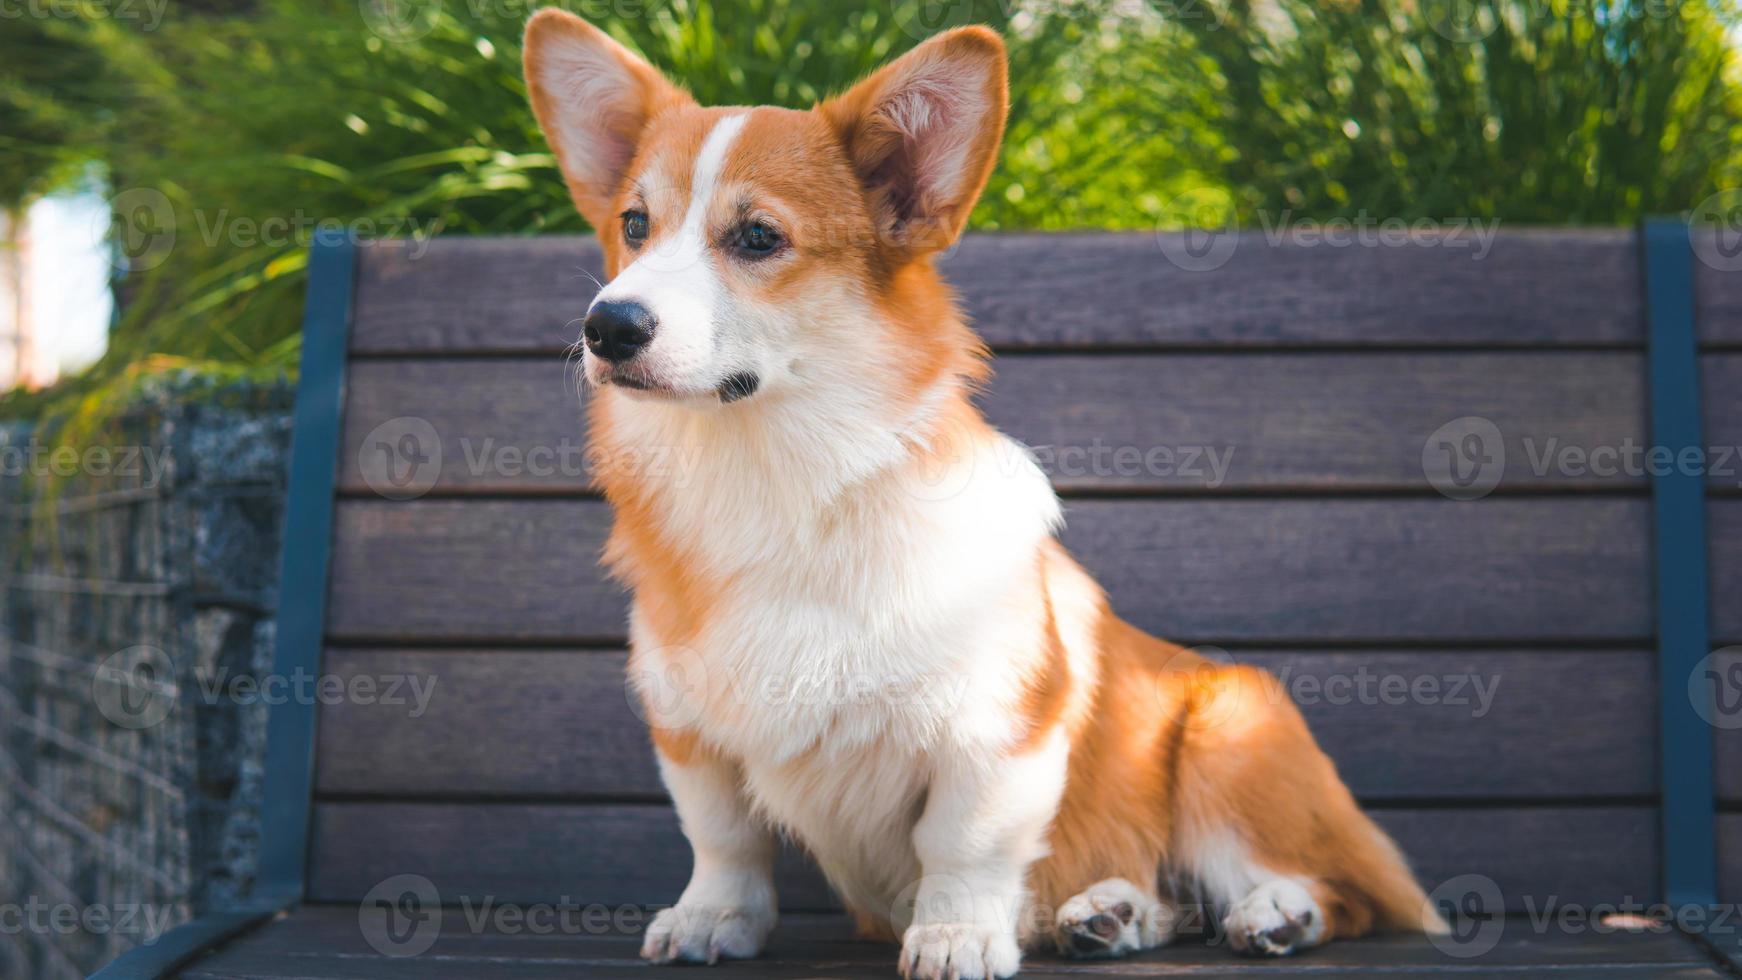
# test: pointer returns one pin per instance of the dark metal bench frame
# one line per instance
(1687, 832)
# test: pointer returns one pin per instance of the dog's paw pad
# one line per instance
(1278, 918)
(1111, 918)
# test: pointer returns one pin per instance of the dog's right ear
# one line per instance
(593, 99)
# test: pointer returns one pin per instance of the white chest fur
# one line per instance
(861, 638)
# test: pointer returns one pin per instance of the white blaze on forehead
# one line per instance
(675, 278)
(706, 176)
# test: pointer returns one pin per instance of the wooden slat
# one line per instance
(1724, 518)
(1400, 724)
(515, 570)
(636, 854)
(1717, 293)
(1534, 288)
(1721, 386)
(615, 854)
(1406, 570)
(322, 938)
(1126, 422)
(1725, 934)
(513, 722)
(1730, 860)
(1727, 723)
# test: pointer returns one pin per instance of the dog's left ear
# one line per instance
(923, 134)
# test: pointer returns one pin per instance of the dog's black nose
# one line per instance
(618, 331)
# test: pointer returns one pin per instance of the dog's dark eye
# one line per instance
(635, 227)
(757, 239)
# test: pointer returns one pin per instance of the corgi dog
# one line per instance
(995, 761)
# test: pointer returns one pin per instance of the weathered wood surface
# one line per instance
(1533, 288)
(634, 853)
(1725, 705)
(1250, 570)
(1718, 288)
(327, 941)
(1418, 724)
(1724, 523)
(1130, 422)
(1730, 861)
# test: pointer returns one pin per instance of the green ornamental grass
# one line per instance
(227, 135)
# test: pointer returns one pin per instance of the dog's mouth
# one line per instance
(736, 387)
(630, 381)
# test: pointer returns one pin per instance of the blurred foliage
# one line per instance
(228, 133)
(52, 87)
(1546, 111)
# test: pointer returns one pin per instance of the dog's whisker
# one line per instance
(595, 279)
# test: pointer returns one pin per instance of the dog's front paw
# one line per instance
(959, 952)
(705, 934)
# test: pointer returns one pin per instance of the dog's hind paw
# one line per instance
(1112, 918)
(1279, 917)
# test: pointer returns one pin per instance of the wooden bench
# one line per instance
(1492, 675)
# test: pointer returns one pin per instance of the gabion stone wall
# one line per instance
(137, 583)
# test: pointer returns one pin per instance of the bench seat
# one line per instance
(325, 942)
(1264, 457)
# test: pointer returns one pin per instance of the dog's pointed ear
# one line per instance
(923, 134)
(593, 99)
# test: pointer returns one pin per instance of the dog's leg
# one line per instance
(985, 821)
(1113, 918)
(729, 907)
(1268, 831)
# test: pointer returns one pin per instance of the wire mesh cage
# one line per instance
(137, 585)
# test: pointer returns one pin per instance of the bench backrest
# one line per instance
(1245, 440)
